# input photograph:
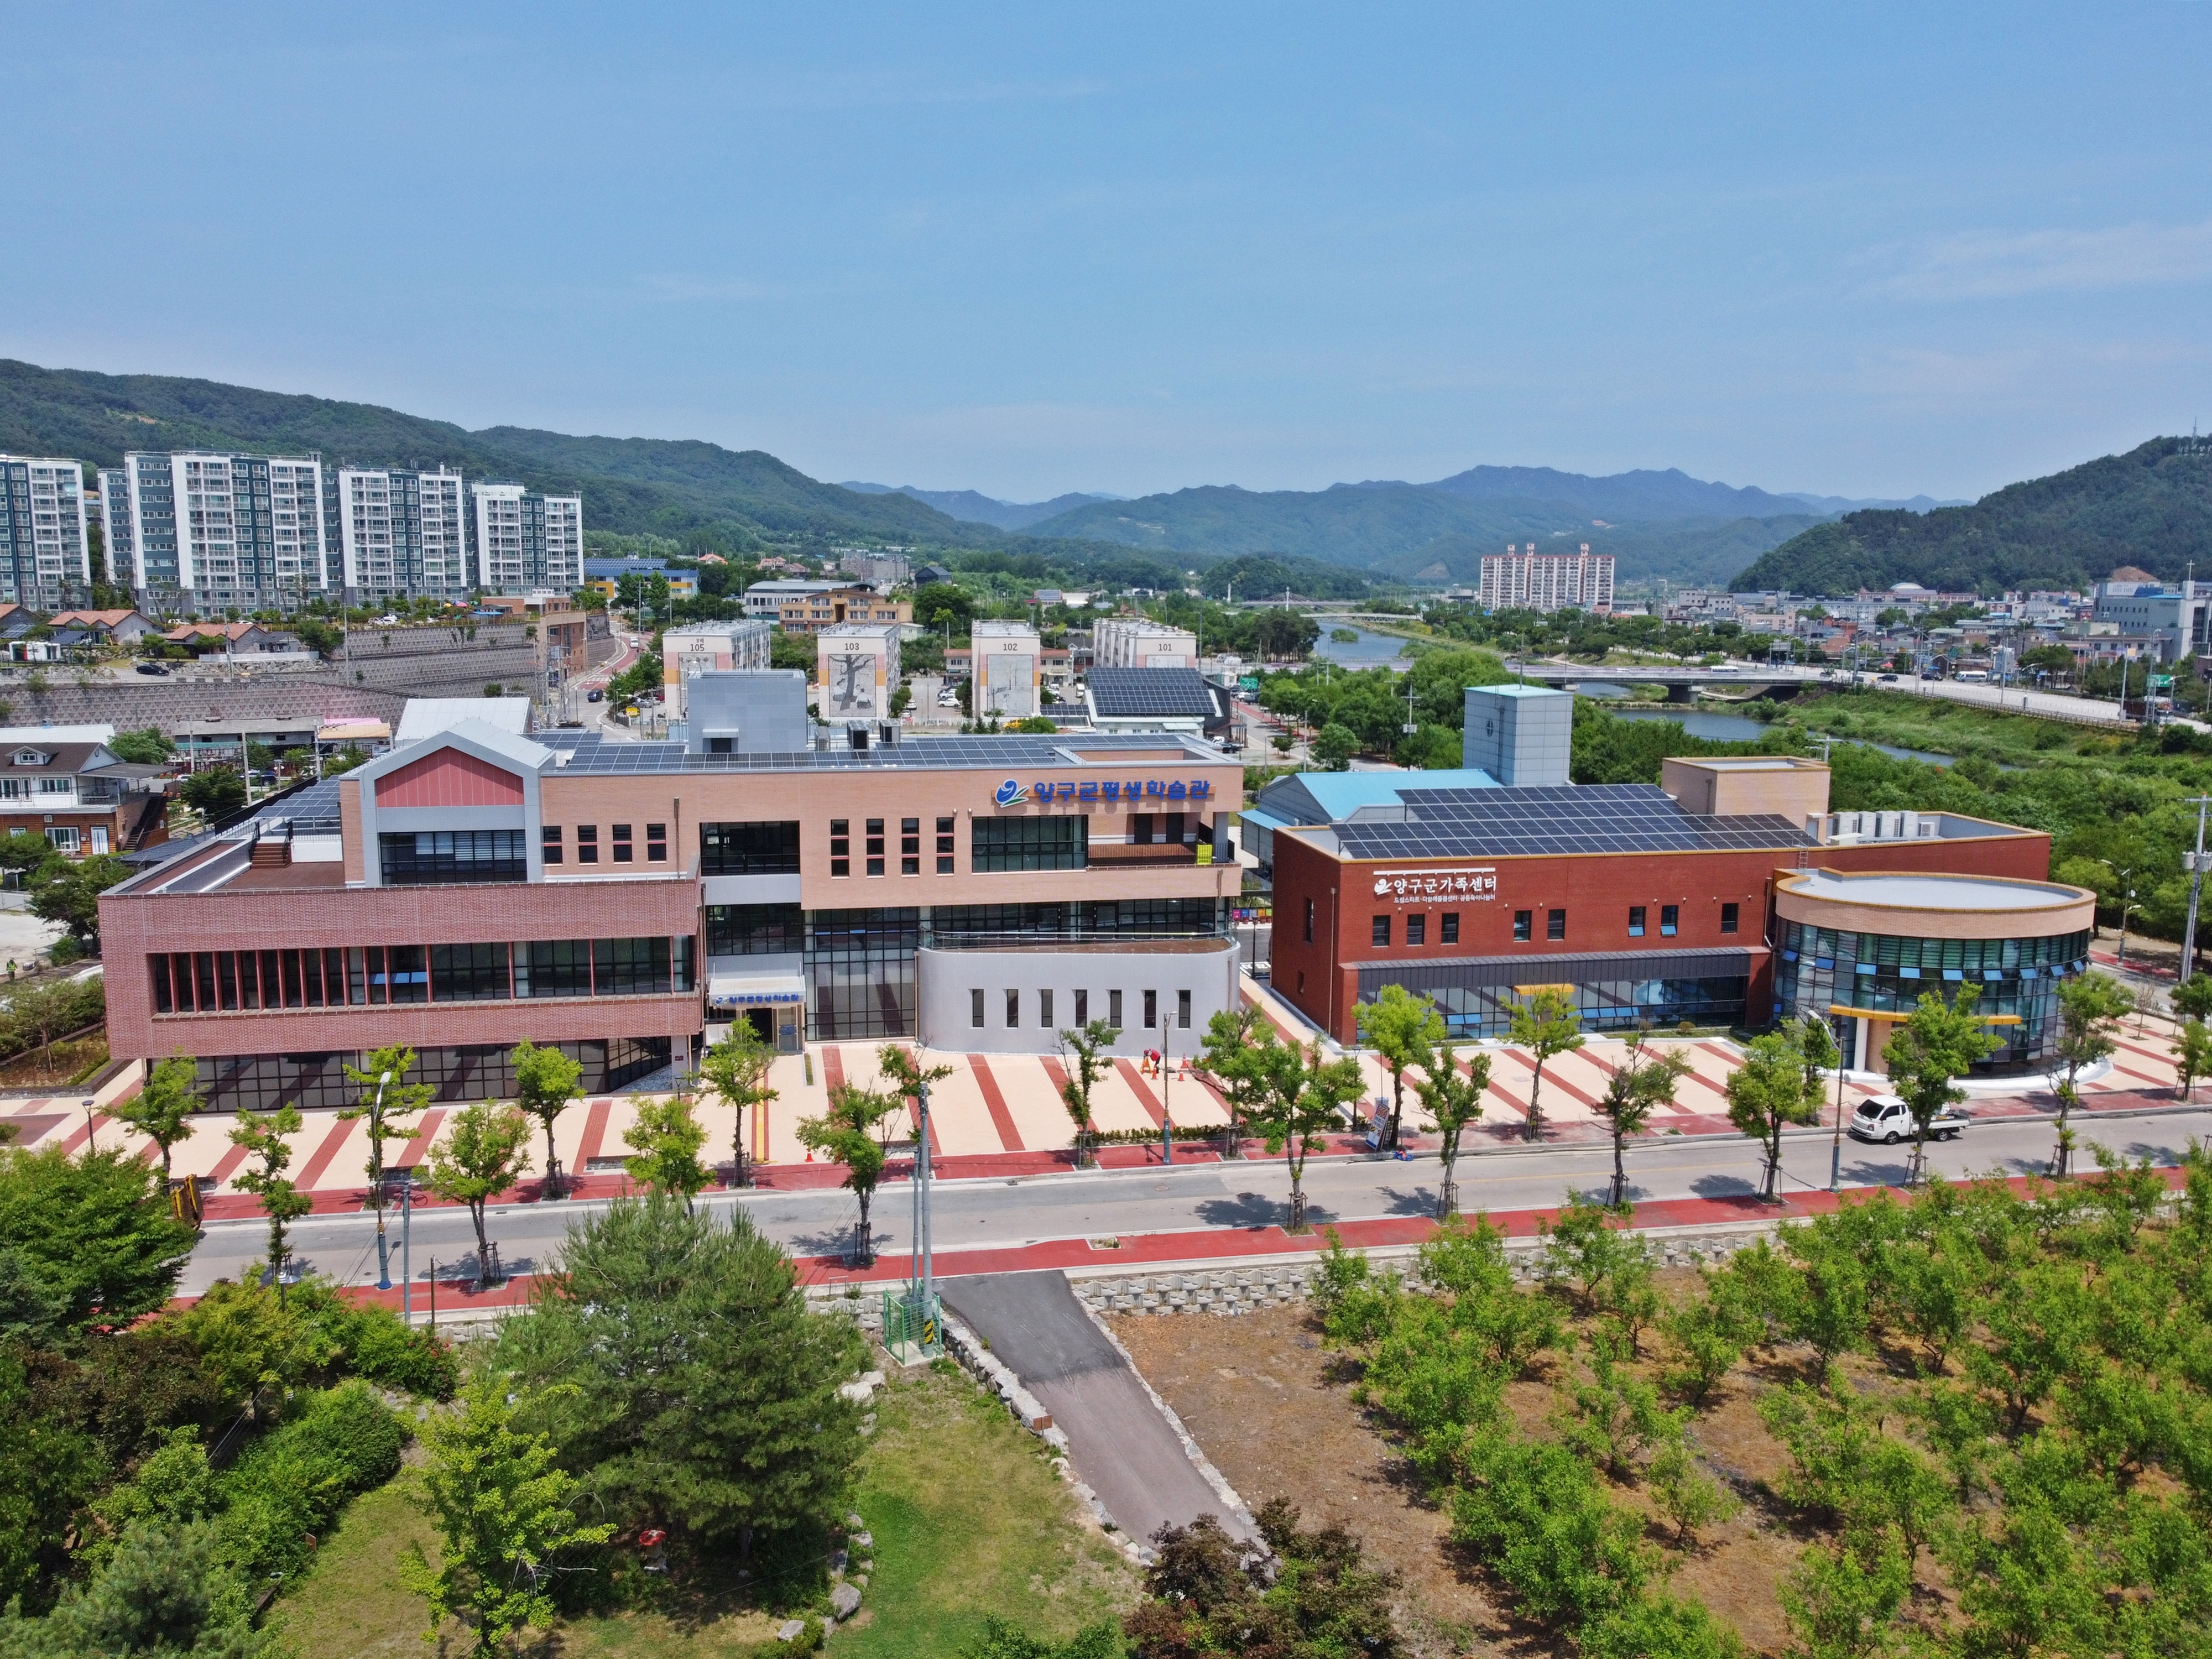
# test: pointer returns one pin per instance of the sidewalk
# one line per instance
(1000, 1115)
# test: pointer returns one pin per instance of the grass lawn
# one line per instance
(967, 1519)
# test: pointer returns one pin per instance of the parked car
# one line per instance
(152, 668)
(1888, 1119)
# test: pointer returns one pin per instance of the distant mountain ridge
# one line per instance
(973, 508)
(2151, 506)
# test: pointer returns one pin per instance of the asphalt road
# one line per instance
(974, 1215)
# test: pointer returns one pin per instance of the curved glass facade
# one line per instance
(1817, 968)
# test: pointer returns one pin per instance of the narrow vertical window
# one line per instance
(1378, 931)
(1450, 932)
(1083, 1008)
(976, 1009)
(549, 841)
(1114, 1009)
(840, 846)
(1636, 921)
(587, 843)
(624, 853)
(1670, 921)
(1044, 1009)
(1555, 924)
(656, 843)
(1727, 918)
(1417, 930)
(1152, 1010)
(1013, 1008)
(1310, 914)
(1182, 1011)
(945, 846)
(1522, 921)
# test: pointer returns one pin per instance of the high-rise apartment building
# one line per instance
(212, 531)
(1529, 580)
(45, 552)
(526, 542)
(1140, 643)
(402, 534)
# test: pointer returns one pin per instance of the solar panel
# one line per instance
(1137, 693)
(593, 756)
(1592, 819)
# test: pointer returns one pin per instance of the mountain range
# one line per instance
(973, 507)
(2151, 508)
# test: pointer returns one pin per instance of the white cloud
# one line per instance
(1997, 264)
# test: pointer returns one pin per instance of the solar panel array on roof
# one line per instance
(1623, 817)
(1149, 693)
(596, 757)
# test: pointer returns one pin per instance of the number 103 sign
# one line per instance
(1433, 886)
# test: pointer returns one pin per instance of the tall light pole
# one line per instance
(1167, 1119)
(376, 1127)
(2195, 887)
(1836, 1152)
(2127, 903)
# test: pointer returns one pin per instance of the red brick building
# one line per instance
(1654, 904)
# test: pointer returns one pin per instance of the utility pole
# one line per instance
(383, 1251)
(1167, 1118)
(2195, 887)
(406, 1256)
(1836, 1152)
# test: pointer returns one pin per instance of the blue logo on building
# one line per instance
(1011, 793)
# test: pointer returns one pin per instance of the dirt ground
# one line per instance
(1273, 1410)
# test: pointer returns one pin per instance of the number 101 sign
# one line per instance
(1433, 886)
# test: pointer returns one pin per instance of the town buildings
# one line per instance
(402, 534)
(1008, 660)
(475, 887)
(64, 783)
(699, 648)
(203, 531)
(1660, 904)
(526, 543)
(46, 551)
(1529, 580)
(1140, 643)
(858, 670)
(801, 607)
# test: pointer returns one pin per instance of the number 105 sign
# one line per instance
(1434, 886)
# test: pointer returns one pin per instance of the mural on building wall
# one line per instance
(852, 687)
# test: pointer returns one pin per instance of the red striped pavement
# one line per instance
(995, 1104)
(1142, 1090)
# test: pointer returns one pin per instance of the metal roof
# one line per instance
(592, 757)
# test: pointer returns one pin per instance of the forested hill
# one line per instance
(629, 484)
(2150, 507)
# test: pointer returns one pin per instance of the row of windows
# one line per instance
(1966, 956)
(263, 1083)
(435, 858)
(622, 844)
(872, 840)
(1044, 1003)
(749, 849)
(232, 981)
(1524, 925)
(1039, 843)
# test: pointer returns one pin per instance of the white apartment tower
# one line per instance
(44, 551)
(526, 542)
(1140, 643)
(1529, 580)
(212, 531)
(402, 534)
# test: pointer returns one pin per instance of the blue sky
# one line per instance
(1871, 250)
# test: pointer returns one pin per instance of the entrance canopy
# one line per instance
(754, 990)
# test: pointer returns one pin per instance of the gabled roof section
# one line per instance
(504, 749)
(426, 717)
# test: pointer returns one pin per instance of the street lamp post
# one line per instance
(2127, 903)
(1167, 1119)
(1836, 1152)
(376, 1126)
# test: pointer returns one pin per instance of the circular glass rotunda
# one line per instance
(1858, 951)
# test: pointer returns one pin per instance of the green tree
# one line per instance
(1452, 1102)
(2192, 1000)
(1547, 1025)
(1842, 1602)
(1335, 745)
(503, 1510)
(1774, 1088)
(164, 1591)
(1643, 1083)
(737, 1069)
(214, 793)
(162, 1108)
(1935, 1045)
(1226, 1055)
(667, 1135)
(1306, 1093)
(1404, 1029)
(27, 849)
(1086, 1055)
(386, 1108)
(846, 1135)
(2091, 1006)
(147, 746)
(546, 1083)
(481, 1156)
(68, 891)
(704, 1395)
(263, 1134)
(2192, 1054)
(48, 1008)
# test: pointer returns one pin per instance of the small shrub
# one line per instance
(293, 1484)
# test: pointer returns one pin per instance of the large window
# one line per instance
(755, 930)
(469, 973)
(629, 966)
(553, 968)
(263, 1083)
(859, 973)
(1039, 843)
(430, 858)
(749, 849)
(379, 975)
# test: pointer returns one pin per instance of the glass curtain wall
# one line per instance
(1820, 967)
